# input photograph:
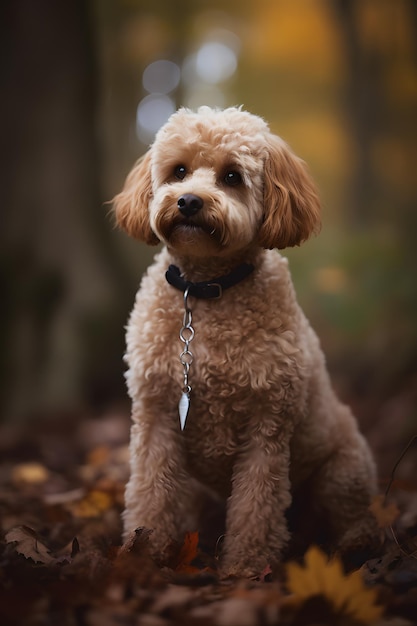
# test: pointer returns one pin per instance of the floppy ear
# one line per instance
(291, 203)
(131, 205)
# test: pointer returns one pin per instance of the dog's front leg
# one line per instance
(159, 493)
(256, 529)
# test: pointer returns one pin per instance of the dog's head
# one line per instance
(215, 182)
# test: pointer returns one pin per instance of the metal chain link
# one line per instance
(186, 336)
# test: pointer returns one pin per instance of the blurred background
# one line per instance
(86, 84)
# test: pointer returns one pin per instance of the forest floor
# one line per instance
(62, 562)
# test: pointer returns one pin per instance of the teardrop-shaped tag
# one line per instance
(183, 407)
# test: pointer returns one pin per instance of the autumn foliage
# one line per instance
(62, 560)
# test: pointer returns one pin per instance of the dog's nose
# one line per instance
(189, 204)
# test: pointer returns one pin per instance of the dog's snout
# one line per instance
(189, 204)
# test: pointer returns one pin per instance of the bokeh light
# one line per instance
(201, 80)
(215, 62)
(153, 111)
(161, 77)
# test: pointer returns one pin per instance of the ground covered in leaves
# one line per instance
(62, 562)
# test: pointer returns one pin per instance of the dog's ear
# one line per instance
(291, 203)
(131, 205)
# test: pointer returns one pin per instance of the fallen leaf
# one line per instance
(65, 497)
(99, 455)
(322, 577)
(187, 554)
(136, 540)
(240, 611)
(28, 544)
(265, 575)
(173, 597)
(92, 505)
(385, 514)
(32, 473)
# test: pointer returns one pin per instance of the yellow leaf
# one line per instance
(323, 577)
(31, 473)
(92, 505)
(385, 514)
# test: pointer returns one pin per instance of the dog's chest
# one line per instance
(231, 352)
(233, 383)
(243, 359)
(240, 354)
(231, 373)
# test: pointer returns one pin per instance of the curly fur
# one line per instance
(264, 420)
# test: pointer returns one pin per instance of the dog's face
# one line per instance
(217, 182)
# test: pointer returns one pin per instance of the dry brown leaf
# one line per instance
(98, 455)
(265, 574)
(242, 611)
(63, 498)
(28, 544)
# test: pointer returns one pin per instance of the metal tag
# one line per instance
(183, 407)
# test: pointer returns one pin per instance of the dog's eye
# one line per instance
(232, 178)
(180, 172)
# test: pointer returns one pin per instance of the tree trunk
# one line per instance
(57, 286)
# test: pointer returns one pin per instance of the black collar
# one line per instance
(210, 288)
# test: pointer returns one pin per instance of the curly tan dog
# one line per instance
(259, 418)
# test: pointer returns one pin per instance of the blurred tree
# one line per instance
(381, 88)
(380, 50)
(365, 104)
(56, 281)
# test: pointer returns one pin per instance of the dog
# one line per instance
(228, 382)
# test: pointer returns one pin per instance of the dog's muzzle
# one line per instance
(189, 204)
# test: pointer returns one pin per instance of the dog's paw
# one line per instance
(360, 543)
(254, 568)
